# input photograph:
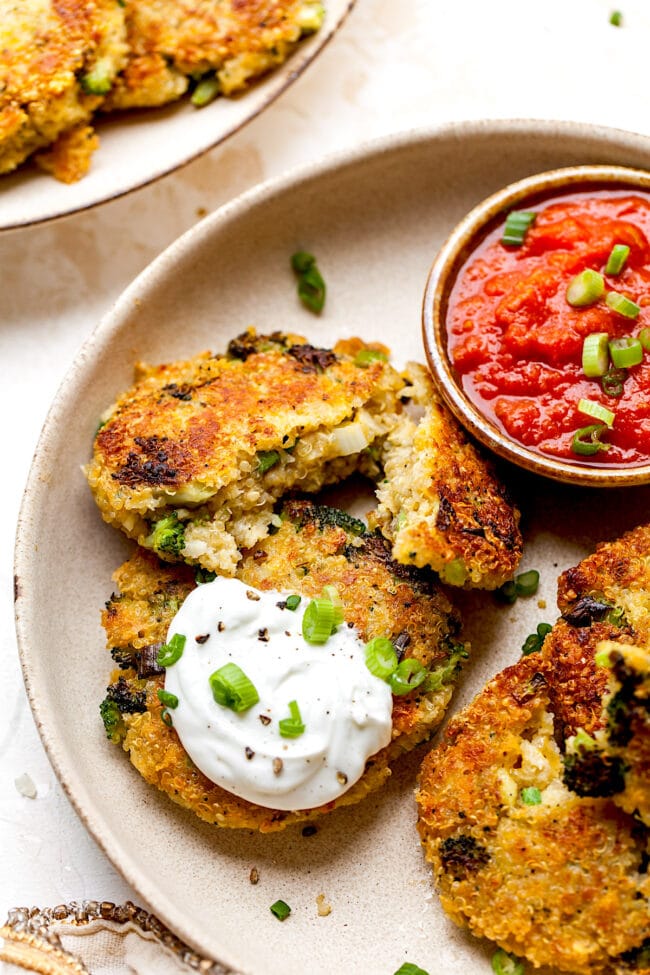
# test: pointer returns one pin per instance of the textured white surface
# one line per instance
(394, 65)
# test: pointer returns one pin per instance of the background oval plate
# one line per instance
(139, 147)
(374, 218)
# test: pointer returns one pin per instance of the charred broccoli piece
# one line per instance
(628, 705)
(589, 771)
(301, 514)
(123, 657)
(168, 535)
(120, 699)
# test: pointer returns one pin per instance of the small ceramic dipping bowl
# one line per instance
(485, 220)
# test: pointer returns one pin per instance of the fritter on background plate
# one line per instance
(219, 46)
(57, 61)
(314, 547)
(534, 809)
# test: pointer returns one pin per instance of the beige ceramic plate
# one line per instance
(374, 219)
(139, 147)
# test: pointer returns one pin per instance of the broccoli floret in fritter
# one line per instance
(113, 722)
(589, 771)
(168, 535)
(324, 517)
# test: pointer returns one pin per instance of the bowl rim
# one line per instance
(472, 228)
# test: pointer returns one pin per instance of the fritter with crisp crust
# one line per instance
(315, 546)
(191, 460)
(441, 504)
(63, 60)
(533, 811)
(58, 58)
(225, 44)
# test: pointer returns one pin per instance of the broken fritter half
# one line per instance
(534, 809)
(192, 459)
(441, 503)
(57, 61)
(314, 547)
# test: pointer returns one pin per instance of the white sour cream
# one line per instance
(345, 709)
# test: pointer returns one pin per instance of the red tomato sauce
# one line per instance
(516, 342)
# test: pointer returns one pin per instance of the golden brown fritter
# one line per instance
(615, 582)
(56, 58)
(532, 810)
(212, 442)
(62, 60)
(314, 546)
(441, 504)
(173, 42)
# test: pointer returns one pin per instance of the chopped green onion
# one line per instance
(585, 289)
(365, 357)
(622, 305)
(626, 352)
(454, 572)
(292, 727)
(232, 688)
(99, 80)
(505, 964)
(518, 222)
(170, 653)
(535, 641)
(531, 796)
(527, 583)
(507, 593)
(644, 338)
(166, 718)
(169, 700)
(205, 92)
(595, 354)
(266, 459)
(616, 18)
(596, 411)
(311, 286)
(603, 658)
(408, 675)
(292, 602)
(281, 910)
(408, 968)
(331, 593)
(582, 740)
(318, 621)
(381, 658)
(612, 382)
(586, 441)
(617, 258)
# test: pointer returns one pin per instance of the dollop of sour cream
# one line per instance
(345, 709)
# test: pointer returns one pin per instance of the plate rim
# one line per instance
(278, 82)
(111, 321)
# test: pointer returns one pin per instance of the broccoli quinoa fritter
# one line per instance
(441, 504)
(534, 810)
(51, 55)
(63, 60)
(220, 44)
(314, 546)
(192, 459)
